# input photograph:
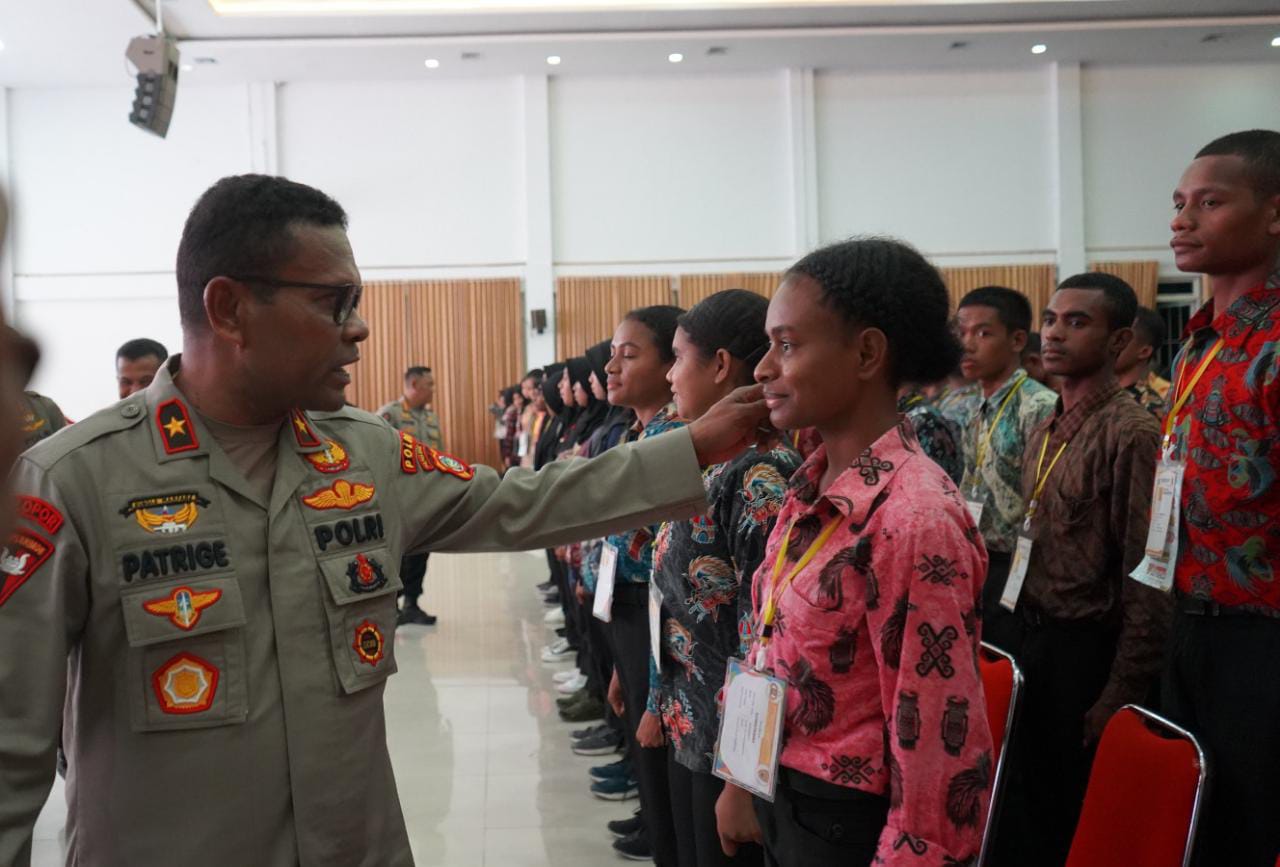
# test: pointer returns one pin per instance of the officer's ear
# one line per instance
(226, 306)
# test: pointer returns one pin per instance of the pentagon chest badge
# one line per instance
(185, 684)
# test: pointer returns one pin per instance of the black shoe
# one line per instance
(588, 732)
(546, 585)
(562, 631)
(588, 710)
(634, 847)
(601, 745)
(413, 615)
(626, 827)
(551, 600)
(570, 700)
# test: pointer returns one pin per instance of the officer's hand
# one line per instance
(615, 694)
(649, 732)
(731, 426)
(736, 819)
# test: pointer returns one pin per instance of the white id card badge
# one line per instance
(1157, 567)
(602, 608)
(975, 510)
(1017, 574)
(523, 449)
(751, 729)
(655, 623)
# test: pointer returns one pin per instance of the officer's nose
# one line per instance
(355, 330)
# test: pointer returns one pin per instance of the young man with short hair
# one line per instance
(1092, 638)
(1224, 422)
(136, 364)
(1134, 367)
(993, 323)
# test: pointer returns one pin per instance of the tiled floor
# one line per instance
(482, 761)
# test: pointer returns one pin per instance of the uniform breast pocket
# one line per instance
(360, 602)
(185, 666)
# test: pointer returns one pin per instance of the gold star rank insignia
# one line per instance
(176, 432)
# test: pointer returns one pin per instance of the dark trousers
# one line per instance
(813, 823)
(693, 809)
(1000, 626)
(413, 569)
(629, 631)
(573, 623)
(596, 660)
(1220, 683)
(1066, 664)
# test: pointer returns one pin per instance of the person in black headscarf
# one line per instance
(544, 452)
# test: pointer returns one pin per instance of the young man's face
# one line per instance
(1077, 340)
(135, 374)
(989, 347)
(1221, 225)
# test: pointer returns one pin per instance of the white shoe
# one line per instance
(554, 617)
(566, 675)
(549, 656)
(572, 686)
(559, 646)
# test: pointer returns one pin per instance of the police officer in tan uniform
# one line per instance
(215, 557)
(412, 415)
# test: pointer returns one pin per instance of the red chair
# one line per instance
(1002, 684)
(1145, 795)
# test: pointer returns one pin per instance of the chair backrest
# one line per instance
(1002, 685)
(1145, 794)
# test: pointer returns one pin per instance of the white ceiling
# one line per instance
(60, 42)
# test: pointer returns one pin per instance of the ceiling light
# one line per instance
(553, 60)
(1275, 43)
(1039, 48)
(187, 67)
(432, 63)
(2, 46)
(675, 58)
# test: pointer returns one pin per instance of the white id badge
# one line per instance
(1157, 567)
(655, 623)
(1017, 574)
(523, 450)
(975, 509)
(602, 608)
(751, 728)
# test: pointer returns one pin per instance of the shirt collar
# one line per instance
(666, 414)
(997, 397)
(1247, 312)
(859, 486)
(1064, 424)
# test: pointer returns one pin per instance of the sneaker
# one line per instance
(552, 598)
(579, 734)
(617, 789)
(571, 686)
(565, 701)
(588, 710)
(554, 617)
(602, 744)
(634, 847)
(412, 615)
(566, 675)
(626, 827)
(546, 586)
(562, 654)
(620, 768)
(562, 632)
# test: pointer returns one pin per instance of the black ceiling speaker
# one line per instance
(156, 59)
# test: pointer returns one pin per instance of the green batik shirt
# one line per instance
(997, 484)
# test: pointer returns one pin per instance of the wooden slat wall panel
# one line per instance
(468, 331)
(588, 309)
(697, 287)
(1143, 276)
(1037, 282)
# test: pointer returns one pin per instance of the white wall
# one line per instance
(665, 174)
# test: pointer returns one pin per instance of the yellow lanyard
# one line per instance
(1041, 479)
(774, 591)
(1182, 395)
(991, 429)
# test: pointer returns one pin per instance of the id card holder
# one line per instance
(655, 623)
(975, 510)
(751, 727)
(1017, 573)
(1157, 567)
(602, 607)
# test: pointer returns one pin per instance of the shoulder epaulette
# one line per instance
(126, 414)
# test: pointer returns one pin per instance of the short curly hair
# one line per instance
(243, 224)
(886, 284)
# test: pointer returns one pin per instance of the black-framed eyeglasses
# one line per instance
(346, 295)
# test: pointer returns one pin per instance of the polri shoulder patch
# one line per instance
(40, 513)
(451, 465)
(408, 445)
(25, 553)
(176, 431)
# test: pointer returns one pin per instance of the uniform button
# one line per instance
(131, 410)
(837, 832)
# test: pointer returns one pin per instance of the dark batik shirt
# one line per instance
(635, 547)
(1148, 398)
(939, 436)
(1090, 531)
(704, 569)
(1229, 433)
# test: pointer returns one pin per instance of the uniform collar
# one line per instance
(176, 432)
(858, 488)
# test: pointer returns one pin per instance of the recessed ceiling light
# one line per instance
(1039, 48)
(432, 63)
(675, 58)
(553, 60)
(1275, 43)
(2, 46)
(186, 67)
